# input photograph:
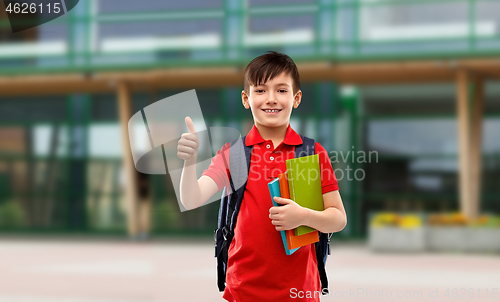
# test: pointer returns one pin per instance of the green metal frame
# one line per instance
(234, 16)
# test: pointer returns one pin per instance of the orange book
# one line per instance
(293, 241)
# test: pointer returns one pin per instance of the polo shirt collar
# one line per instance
(291, 137)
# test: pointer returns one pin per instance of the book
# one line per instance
(304, 181)
(274, 190)
(293, 241)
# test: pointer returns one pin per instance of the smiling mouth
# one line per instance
(271, 110)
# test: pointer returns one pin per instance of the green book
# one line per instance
(304, 180)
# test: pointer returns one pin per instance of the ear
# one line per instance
(297, 98)
(244, 99)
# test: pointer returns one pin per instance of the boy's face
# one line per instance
(271, 103)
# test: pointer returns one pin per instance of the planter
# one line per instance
(483, 239)
(447, 238)
(396, 232)
(396, 239)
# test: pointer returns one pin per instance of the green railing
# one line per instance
(335, 30)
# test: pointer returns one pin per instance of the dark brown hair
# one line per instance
(267, 66)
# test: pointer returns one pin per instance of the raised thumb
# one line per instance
(190, 125)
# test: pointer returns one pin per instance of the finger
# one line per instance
(185, 149)
(189, 124)
(183, 155)
(274, 210)
(274, 216)
(281, 200)
(189, 143)
(190, 137)
(275, 222)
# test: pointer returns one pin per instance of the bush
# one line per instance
(165, 216)
(11, 215)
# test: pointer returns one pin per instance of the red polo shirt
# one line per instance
(258, 268)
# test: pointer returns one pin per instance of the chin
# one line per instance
(271, 125)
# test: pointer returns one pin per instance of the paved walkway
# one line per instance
(113, 271)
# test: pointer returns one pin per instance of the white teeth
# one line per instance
(271, 111)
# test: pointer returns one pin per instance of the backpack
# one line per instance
(239, 158)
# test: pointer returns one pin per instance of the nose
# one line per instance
(271, 99)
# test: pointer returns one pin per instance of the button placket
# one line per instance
(266, 169)
(268, 172)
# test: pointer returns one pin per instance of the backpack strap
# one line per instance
(322, 251)
(306, 148)
(239, 165)
(322, 247)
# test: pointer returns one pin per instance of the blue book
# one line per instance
(274, 190)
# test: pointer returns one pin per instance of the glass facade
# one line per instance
(61, 156)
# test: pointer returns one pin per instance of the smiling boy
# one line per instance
(258, 268)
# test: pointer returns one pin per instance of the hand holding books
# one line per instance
(289, 209)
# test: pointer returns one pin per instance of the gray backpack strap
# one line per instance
(238, 163)
(239, 166)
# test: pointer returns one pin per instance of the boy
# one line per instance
(258, 268)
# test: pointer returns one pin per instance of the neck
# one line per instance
(275, 134)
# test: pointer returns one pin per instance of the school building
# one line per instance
(404, 94)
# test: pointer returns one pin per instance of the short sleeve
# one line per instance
(328, 179)
(219, 167)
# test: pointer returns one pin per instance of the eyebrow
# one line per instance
(280, 84)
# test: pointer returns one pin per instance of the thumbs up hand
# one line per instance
(187, 148)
